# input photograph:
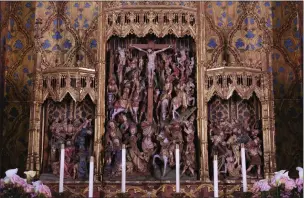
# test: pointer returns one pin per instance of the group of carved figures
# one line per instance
(165, 78)
(171, 80)
(73, 133)
(227, 137)
(146, 143)
(161, 81)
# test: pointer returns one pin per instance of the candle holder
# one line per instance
(123, 195)
(178, 195)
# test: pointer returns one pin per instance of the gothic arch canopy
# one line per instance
(223, 81)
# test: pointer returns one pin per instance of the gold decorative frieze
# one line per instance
(77, 82)
(223, 81)
(112, 5)
(160, 22)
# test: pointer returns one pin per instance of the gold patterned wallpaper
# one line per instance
(69, 34)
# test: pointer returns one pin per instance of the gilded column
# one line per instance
(34, 155)
(267, 103)
(271, 118)
(100, 107)
(201, 100)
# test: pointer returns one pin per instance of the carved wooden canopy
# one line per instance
(223, 81)
(78, 82)
(123, 18)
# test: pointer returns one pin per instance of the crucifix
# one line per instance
(151, 46)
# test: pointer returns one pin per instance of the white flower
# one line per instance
(30, 174)
(300, 169)
(6, 180)
(9, 173)
(278, 176)
(37, 183)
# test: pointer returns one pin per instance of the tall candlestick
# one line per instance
(177, 168)
(91, 177)
(244, 176)
(123, 168)
(61, 176)
(215, 176)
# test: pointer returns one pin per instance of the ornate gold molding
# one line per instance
(78, 82)
(223, 81)
(143, 21)
(113, 5)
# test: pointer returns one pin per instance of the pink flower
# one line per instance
(261, 185)
(29, 188)
(44, 190)
(283, 180)
(286, 194)
(290, 184)
(299, 183)
(15, 179)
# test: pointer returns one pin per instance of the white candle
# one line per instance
(244, 176)
(61, 176)
(123, 167)
(91, 176)
(215, 176)
(177, 168)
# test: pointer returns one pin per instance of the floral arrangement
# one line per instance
(14, 186)
(280, 185)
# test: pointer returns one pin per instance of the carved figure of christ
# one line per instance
(151, 59)
(151, 67)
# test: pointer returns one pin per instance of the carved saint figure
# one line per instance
(123, 103)
(231, 168)
(179, 100)
(80, 135)
(254, 151)
(136, 156)
(122, 63)
(111, 135)
(233, 143)
(189, 155)
(165, 99)
(164, 154)
(147, 144)
(181, 60)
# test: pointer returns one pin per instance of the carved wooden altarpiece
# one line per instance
(169, 24)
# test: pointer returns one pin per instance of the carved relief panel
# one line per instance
(151, 106)
(234, 122)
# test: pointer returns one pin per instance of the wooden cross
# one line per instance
(151, 45)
